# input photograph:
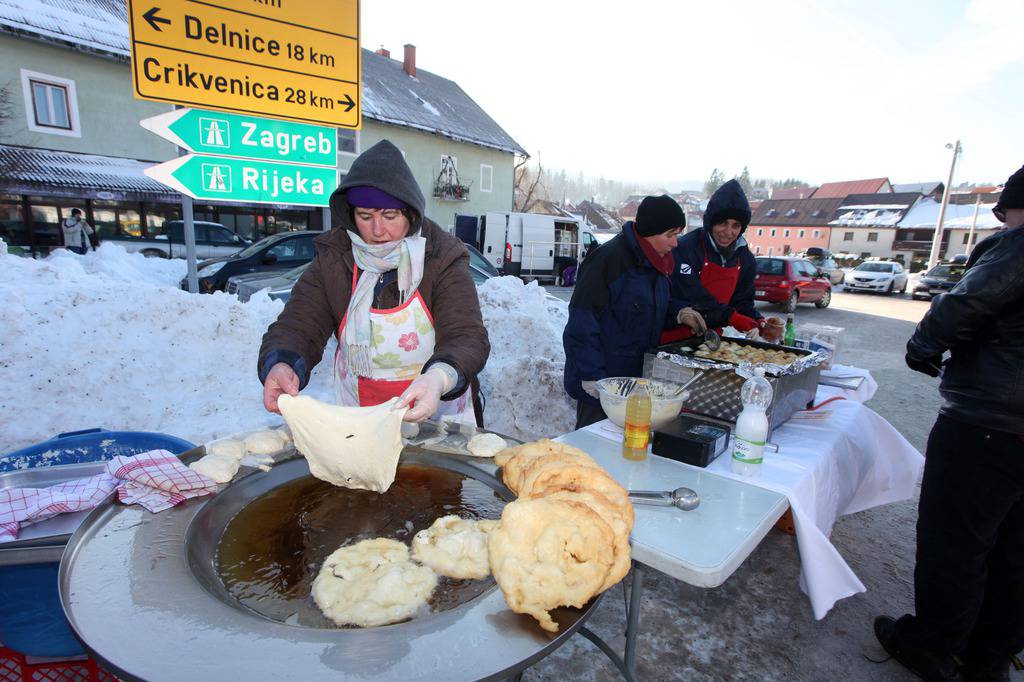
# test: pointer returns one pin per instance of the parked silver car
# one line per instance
(880, 276)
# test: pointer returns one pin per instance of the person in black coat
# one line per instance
(969, 576)
(621, 304)
(715, 269)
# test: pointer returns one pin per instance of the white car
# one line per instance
(882, 276)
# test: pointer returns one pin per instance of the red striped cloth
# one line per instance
(156, 479)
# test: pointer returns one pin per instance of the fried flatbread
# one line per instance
(372, 583)
(455, 547)
(547, 553)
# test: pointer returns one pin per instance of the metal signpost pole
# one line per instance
(933, 257)
(974, 223)
(190, 243)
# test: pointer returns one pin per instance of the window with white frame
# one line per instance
(486, 178)
(51, 104)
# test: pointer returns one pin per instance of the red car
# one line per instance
(789, 281)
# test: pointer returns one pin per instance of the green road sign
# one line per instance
(250, 137)
(218, 178)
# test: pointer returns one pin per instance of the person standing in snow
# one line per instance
(621, 303)
(395, 290)
(715, 269)
(76, 232)
(969, 574)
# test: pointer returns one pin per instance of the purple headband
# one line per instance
(365, 196)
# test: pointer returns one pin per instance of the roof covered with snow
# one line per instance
(29, 170)
(428, 102)
(425, 102)
(874, 210)
(840, 190)
(924, 188)
(926, 213)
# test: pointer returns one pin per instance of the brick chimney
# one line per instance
(383, 51)
(409, 63)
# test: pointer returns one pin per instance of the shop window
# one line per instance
(872, 236)
(157, 215)
(51, 104)
(486, 178)
(47, 214)
(13, 229)
(118, 220)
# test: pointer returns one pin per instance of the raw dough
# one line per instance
(486, 445)
(229, 447)
(455, 547)
(266, 442)
(285, 434)
(352, 447)
(372, 583)
(217, 468)
(547, 553)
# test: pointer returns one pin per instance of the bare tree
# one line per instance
(528, 185)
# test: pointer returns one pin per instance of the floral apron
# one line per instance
(402, 342)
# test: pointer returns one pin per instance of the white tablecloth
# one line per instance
(838, 459)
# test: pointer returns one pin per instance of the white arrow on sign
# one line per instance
(163, 173)
(161, 125)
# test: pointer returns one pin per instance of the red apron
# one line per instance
(717, 280)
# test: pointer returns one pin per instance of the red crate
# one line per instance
(14, 667)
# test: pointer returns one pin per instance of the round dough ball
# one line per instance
(227, 447)
(372, 583)
(455, 547)
(486, 445)
(267, 442)
(218, 468)
(286, 435)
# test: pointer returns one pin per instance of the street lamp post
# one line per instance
(933, 257)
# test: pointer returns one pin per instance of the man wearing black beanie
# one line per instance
(715, 271)
(621, 303)
(969, 576)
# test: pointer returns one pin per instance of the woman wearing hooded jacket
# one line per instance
(715, 270)
(395, 290)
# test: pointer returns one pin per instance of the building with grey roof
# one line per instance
(72, 136)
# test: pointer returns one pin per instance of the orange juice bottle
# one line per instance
(637, 432)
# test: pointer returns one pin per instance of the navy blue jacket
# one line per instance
(686, 286)
(617, 312)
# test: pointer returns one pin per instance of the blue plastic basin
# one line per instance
(31, 618)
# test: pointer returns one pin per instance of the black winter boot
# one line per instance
(925, 664)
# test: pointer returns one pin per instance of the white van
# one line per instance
(532, 245)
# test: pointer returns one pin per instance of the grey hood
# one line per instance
(381, 166)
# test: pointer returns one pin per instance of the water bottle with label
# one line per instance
(752, 425)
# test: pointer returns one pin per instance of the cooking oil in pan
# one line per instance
(274, 547)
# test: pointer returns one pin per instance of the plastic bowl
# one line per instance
(663, 409)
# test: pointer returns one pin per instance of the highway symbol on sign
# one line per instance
(246, 136)
(249, 180)
(297, 60)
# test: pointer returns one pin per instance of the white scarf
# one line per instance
(374, 260)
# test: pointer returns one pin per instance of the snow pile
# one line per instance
(107, 339)
(522, 381)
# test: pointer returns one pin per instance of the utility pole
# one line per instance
(933, 258)
(974, 222)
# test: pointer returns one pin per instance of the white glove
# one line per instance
(424, 393)
(692, 319)
(590, 388)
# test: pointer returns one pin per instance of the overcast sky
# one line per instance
(663, 92)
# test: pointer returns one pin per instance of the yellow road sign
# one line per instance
(291, 59)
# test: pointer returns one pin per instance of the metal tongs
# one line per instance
(712, 340)
(684, 498)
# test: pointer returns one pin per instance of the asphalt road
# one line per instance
(758, 625)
